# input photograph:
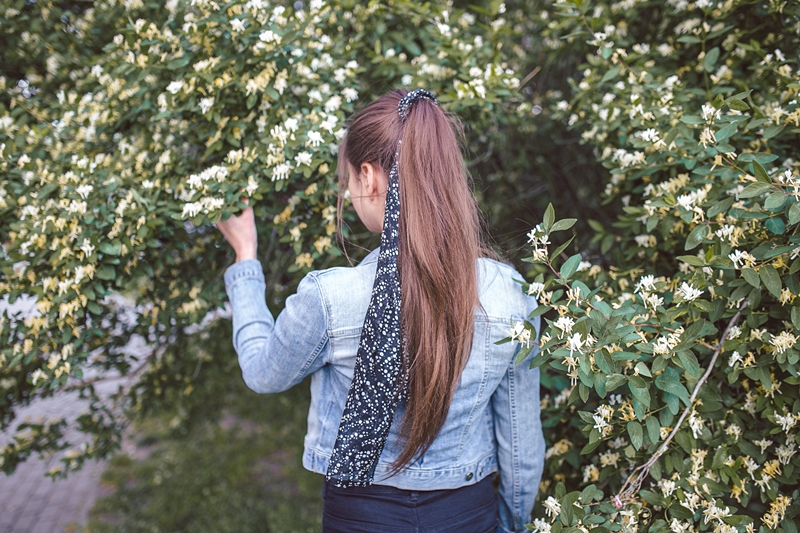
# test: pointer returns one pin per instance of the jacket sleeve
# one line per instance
(520, 442)
(275, 355)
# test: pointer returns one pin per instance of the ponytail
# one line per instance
(439, 243)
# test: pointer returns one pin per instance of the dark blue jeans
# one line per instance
(382, 509)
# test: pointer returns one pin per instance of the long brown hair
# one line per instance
(440, 241)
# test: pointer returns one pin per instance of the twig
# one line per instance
(529, 77)
(634, 481)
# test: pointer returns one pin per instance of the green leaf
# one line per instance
(643, 370)
(692, 260)
(635, 432)
(110, 248)
(772, 131)
(570, 266)
(549, 217)
(751, 276)
(696, 236)
(760, 173)
(540, 310)
(776, 226)
(563, 224)
(639, 390)
(795, 321)
(181, 62)
(669, 382)
(94, 308)
(610, 74)
(761, 157)
(653, 429)
(771, 279)
(710, 59)
(720, 207)
(794, 213)
(754, 189)
(107, 273)
(775, 200)
(567, 513)
(738, 105)
(560, 249)
(692, 119)
(523, 353)
(689, 362)
(615, 380)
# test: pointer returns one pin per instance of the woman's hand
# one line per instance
(240, 232)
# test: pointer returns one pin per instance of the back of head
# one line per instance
(440, 240)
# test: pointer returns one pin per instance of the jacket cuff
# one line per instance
(247, 269)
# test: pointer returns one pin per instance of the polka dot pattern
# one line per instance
(408, 100)
(373, 395)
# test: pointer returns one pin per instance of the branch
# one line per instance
(634, 481)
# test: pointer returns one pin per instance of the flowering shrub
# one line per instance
(142, 124)
(674, 350)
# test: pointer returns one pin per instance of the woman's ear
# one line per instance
(374, 182)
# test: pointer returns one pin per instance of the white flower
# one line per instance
(303, 158)
(37, 375)
(520, 333)
(653, 300)
(87, 247)
(175, 86)
(667, 487)
(564, 323)
(710, 113)
(314, 96)
(269, 37)
(281, 172)
(741, 259)
(646, 284)
(535, 289)
(575, 343)
(291, 124)
(84, 190)
(783, 342)
(350, 94)
(407, 79)
(552, 507)
(736, 357)
(191, 209)
(785, 453)
(333, 103)
(237, 25)
(650, 135)
(688, 292)
(314, 138)
(540, 525)
(696, 424)
(206, 104)
(80, 273)
(252, 185)
(329, 123)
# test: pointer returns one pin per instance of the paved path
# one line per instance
(33, 503)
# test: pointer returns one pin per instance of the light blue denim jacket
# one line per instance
(493, 423)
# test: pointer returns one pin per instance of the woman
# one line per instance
(413, 406)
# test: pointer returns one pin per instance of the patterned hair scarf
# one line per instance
(375, 390)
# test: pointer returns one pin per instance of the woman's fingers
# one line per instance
(240, 232)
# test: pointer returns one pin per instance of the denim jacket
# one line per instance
(493, 423)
